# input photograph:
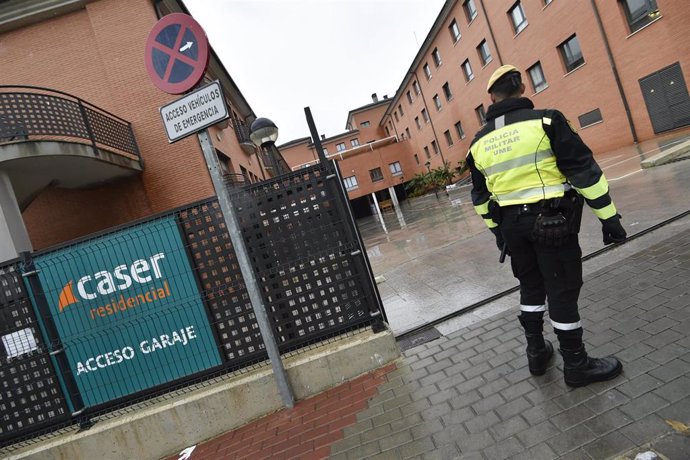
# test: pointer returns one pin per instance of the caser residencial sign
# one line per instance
(194, 112)
(128, 310)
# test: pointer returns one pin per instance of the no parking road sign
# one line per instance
(176, 53)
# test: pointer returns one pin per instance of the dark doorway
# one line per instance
(666, 97)
(361, 207)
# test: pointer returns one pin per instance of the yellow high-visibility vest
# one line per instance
(518, 163)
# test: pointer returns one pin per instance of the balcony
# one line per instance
(49, 137)
(242, 132)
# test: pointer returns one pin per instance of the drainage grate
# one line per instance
(420, 338)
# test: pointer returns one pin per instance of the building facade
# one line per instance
(617, 69)
(91, 53)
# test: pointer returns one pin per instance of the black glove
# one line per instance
(499, 239)
(613, 230)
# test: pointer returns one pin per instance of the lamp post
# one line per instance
(264, 133)
(428, 169)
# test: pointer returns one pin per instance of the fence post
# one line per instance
(248, 275)
(53, 341)
(377, 312)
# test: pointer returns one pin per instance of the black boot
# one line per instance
(539, 351)
(538, 358)
(580, 370)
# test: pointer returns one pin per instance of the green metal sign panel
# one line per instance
(128, 311)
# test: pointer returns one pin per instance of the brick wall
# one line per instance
(97, 54)
(589, 87)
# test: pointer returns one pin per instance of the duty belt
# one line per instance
(519, 209)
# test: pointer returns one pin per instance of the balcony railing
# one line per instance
(242, 132)
(32, 113)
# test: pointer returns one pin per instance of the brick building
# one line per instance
(617, 69)
(60, 55)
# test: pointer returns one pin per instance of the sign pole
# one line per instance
(232, 224)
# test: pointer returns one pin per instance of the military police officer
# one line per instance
(531, 173)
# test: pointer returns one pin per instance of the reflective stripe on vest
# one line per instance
(518, 163)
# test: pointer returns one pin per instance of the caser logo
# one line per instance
(121, 278)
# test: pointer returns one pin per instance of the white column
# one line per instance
(13, 235)
(378, 212)
(396, 206)
(394, 197)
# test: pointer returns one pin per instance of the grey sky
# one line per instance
(330, 55)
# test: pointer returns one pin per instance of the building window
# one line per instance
(245, 173)
(459, 130)
(364, 124)
(470, 10)
(416, 120)
(590, 118)
(536, 75)
(395, 114)
(376, 174)
(437, 102)
(427, 71)
(484, 53)
(467, 70)
(388, 131)
(224, 162)
(437, 57)
(400, 109)
(481, 114)
(449, 137)
(340, 147)
(354, 142)
(350, 183)
(571, 54)
(407, 131)
(325, 151)
(425, 115)
(416, 158)
(426, 152)
(639, 13)
(434, 146)
(395, 168)
(409, 97)
(454, 31)
(447, 92)
(517, 15)
(415, 86)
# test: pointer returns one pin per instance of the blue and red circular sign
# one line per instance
(176, 53)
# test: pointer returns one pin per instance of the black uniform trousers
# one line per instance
(544, 272)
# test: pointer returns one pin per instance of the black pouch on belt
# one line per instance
(574, 202)
(551, 230)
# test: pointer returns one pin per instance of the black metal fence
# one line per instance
(30, 394)
(29, 113)
(305, 251)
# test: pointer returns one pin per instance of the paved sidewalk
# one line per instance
(469, 394)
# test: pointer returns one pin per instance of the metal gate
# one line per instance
(666, 97)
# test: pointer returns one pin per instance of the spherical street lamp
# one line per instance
(264, 133)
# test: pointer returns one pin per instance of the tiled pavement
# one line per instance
(469, 394)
